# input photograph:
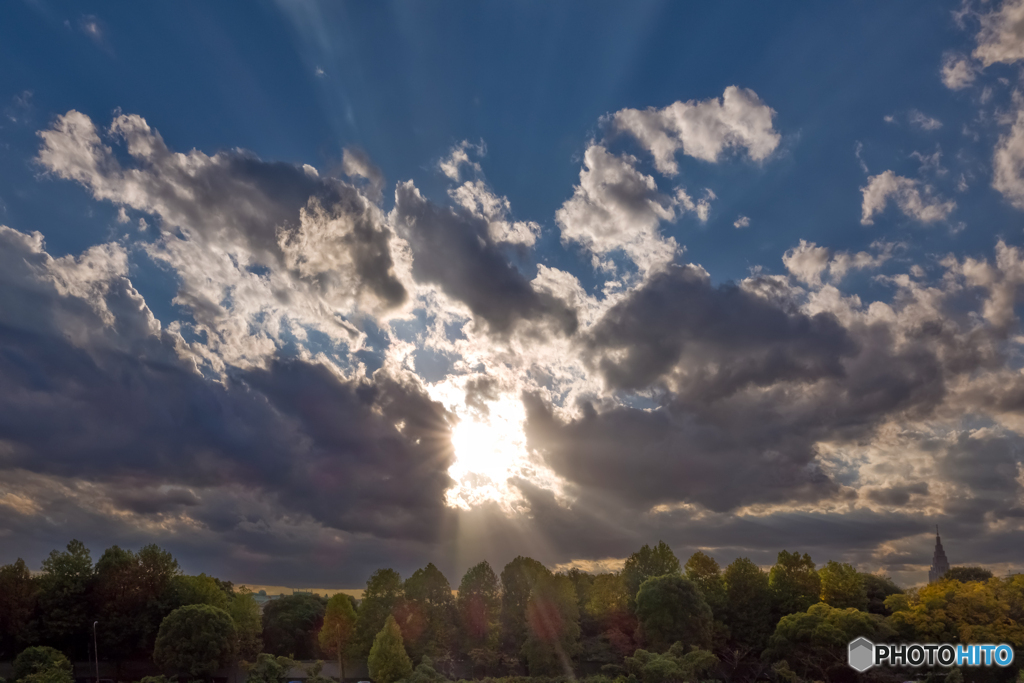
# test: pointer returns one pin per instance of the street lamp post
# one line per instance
(96, 651)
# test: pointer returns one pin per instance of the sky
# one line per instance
(301, 289)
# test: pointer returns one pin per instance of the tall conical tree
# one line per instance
(388, 661)
(339, 628)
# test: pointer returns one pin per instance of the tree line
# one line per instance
(654, 620)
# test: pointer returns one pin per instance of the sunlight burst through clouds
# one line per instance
(490, 450)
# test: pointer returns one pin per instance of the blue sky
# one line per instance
(836, 230)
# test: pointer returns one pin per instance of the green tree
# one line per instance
(132, 594)
(878, 589)
(794, 582)
(64, 591)
(582, 582)
(814, 643)
(195, 640)
(291, 624)
(19, 593)
(248, 621)
(42, 665)
(671, 609)
(338, 629)
(157, 569)
(388, 660)
(646, 563)
(748, 605)
(201, 590)
(428, 613)
(479, 605)
(704, 571)
(955, 612)
(842, 586)
(381, 599)
(970, 573)
(518, 579)
(119, 600)
(553, 632)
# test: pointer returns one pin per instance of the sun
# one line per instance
(489, 450)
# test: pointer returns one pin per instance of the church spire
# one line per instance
(940, 565)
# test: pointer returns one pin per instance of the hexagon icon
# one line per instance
(862, 654)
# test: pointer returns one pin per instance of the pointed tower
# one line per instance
(940, 565)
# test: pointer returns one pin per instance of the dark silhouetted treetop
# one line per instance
(794, 582)
(195, 640)
(479, 606)
(291, 624)
(968, 573)
(382, 597)
(671, 609)
(646, 563)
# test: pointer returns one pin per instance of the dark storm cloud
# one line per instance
(454, 250)
(745, 390)
(646, 458)
(353, 454)
(723, 337)
(897, 495)
(149, 500)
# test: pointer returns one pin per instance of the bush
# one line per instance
(42, 665)
(267, 668)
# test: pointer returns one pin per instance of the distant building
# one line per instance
(940, 565)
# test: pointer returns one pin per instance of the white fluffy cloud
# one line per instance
(957, 72)
(1001, 38)
(1008, 162)
(477, 198)
(705, 129)
(808, 262)
(615, 206)
(923, 121)
(260, 249)
(458, 157)
(915, 199)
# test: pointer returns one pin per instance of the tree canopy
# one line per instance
(19, 593)
(64, 588)
(518, 579)
(291, 624)
(479, 606)
(339, 627)
(748, 604)
(195, 640)
(428, 614)
(815, 642)
(553, 632)
(646, 563)
(794, 582)
(383, 595)
(671, 609)
(245, 613)
(842, 586)
(968, 573)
